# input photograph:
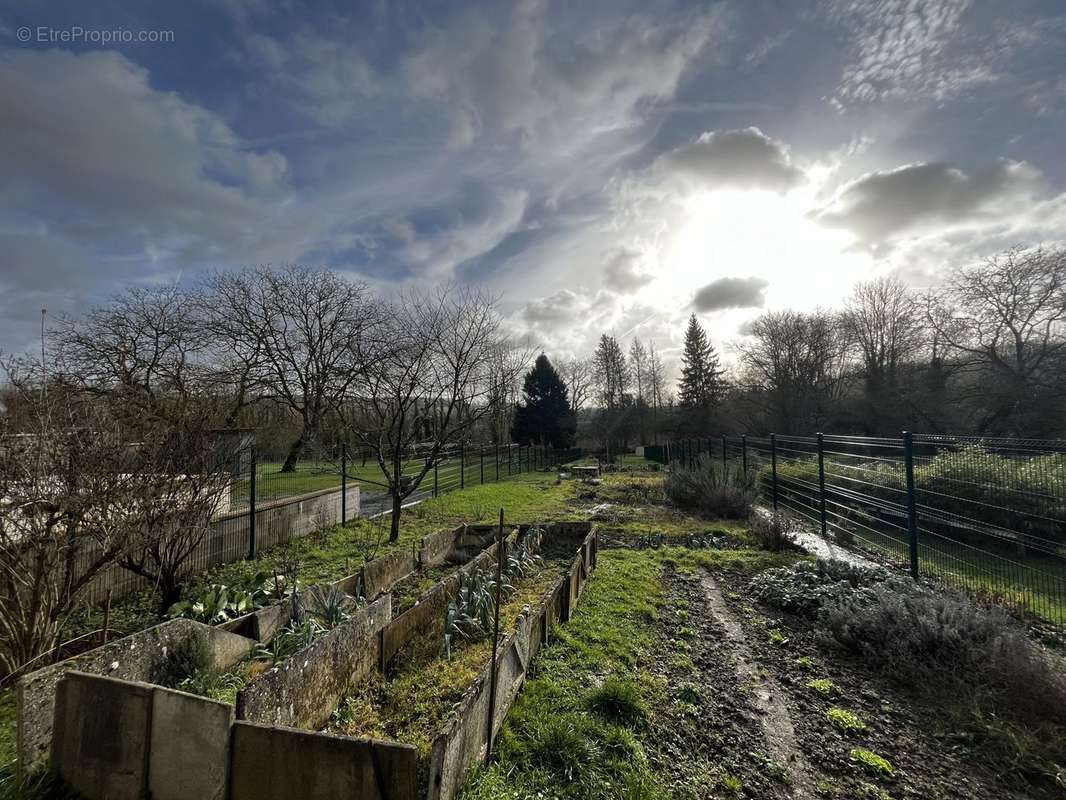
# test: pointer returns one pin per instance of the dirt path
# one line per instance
(721, 730)
(765, 694)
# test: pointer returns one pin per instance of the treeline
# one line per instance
(985, 354)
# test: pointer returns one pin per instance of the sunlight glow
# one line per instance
(763, 234)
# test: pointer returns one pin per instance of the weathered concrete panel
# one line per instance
(189, 750)
(304, 689)
(380, 574)
(102, 728)
(437, 546)
(285, 764)
(137, 657)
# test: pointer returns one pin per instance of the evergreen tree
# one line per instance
(545, 417)
(701, 384)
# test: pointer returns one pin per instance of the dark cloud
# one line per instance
(622, 271)
(730, 293)
(742, 159)
(881, 205)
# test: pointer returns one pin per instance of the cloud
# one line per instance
(104, 178)
(730, 293)
(907, 49)
(514, 75)
(883, 205)
(740, 159)
(621, 272)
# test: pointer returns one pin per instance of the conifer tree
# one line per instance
(545, 416)
(702, 386)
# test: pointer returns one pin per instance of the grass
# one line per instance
(337, 552)
(552, 745)
(591, 689)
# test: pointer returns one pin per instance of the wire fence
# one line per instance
(987, 515)
(266, 504)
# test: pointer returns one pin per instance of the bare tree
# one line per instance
(1004, 323)
(884, 321)
(294, 334)
(613, 377)
(794, 367)
(580, 377)
(186, 472)
(428, 386)
(508, 361)
(73, 498)
(144, 345)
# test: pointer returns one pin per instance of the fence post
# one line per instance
(251, 507)
(912, 507)
(481, 462)
(510, 457)
(773, 468)
(462, 466)
(344, 482)
(435, 478)
(744, 453)
(497, 461)
(821, 487)
(723, 454)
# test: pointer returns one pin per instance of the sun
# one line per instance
(762, 234)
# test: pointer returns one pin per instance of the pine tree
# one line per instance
(701, 375)
(545, 417)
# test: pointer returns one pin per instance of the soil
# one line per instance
(737, 718)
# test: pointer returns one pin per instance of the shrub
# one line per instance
(807, 587)
(773, 532)
(824, 687)
(712, 490)
(618, 701)
(1005, 689)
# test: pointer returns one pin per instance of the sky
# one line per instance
(599, 166)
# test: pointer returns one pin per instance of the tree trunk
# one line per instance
(169, 593)
(294, 453)
(394, 530)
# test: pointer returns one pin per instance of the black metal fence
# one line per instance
(983, 514)
(240, 530)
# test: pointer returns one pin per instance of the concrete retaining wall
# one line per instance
(437, 547)
(137, 657)
(428, 616)
(227, 537)
(302, 691)
(285, 764)
(380, 574)
(125, 740)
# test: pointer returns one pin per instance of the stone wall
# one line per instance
(302, 691)
(137, 657)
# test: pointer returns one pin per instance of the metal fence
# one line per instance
(321, 481)
(983, 514)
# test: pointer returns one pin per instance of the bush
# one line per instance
(1008, 692)
(712, 490)
(774, 532)
(808, 587)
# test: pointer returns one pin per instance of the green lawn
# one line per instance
(7, 727)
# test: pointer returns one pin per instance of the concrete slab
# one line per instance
(101, 734)
(189, 753)
(286, 764)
